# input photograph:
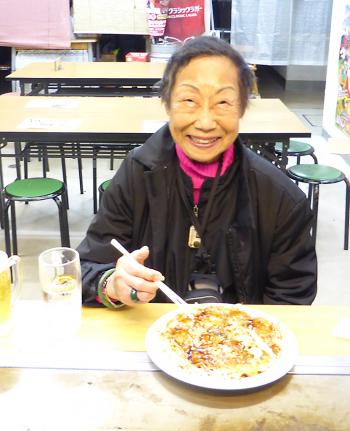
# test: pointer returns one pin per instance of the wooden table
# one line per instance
(131, 120)
(101, 379)
(90, 78)
(120, 124)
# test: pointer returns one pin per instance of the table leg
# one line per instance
(266, 149)
(284, 155)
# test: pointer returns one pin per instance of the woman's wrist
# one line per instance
(107, 300)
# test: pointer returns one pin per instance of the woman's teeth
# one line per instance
(203, 141)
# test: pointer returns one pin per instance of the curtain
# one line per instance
(37, 24)
(282, 32)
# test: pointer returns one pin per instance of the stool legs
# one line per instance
(309, 194)
(7, 228)
(314, 158)
(64, 173)
(63, 223)
(315, 199)
(14, 227)
(63, 220)
(9, 249)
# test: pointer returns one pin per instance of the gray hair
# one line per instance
(203, 46)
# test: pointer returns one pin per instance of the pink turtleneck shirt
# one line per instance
(198, 172)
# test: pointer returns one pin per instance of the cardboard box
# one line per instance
(137, 56)
(108, 57)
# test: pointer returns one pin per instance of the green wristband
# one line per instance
(101, 291)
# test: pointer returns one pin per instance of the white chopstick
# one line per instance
(162, 286)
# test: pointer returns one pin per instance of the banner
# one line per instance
(185, 19)
(36, 24)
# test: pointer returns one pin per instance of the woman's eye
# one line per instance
(188, 102)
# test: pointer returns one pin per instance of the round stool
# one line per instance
(297, 149)
(31, 190)
(314, 175)
(102, 188)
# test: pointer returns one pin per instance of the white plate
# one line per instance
(158, 351)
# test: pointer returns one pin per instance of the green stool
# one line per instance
(102, 188)
(297, 149)
(31, 190)
(314, 175)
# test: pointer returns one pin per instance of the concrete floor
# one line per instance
(38, 222)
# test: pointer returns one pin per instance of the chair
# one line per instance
(31, 190)
(297, 149)
(102, 188)
(314, 175)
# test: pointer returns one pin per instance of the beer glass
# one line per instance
(60, 278)
(9, 289)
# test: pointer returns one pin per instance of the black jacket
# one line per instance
(258, 234)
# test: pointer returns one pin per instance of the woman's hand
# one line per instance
(131, 274)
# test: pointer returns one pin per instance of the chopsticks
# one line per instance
(162, 286)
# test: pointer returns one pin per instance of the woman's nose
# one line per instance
(205, 119)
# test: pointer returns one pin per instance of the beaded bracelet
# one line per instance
(101, 291)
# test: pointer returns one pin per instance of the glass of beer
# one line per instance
(9, 289)
(60, 279)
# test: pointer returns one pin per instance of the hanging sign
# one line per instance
(185, 19)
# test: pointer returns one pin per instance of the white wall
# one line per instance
(331, 90)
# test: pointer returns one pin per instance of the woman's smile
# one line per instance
(203, 142)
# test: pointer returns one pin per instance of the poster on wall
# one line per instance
(185, 19)
(343, 101)
(157, 16)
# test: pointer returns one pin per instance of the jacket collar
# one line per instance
(158, 150)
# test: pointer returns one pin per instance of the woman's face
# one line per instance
(204, 109)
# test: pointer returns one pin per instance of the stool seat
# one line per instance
(104, 186)
(34, 188)
(31, 190)
(322, 174)
(296, 148)
(314, 175)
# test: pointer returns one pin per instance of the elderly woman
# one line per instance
(196, 207)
